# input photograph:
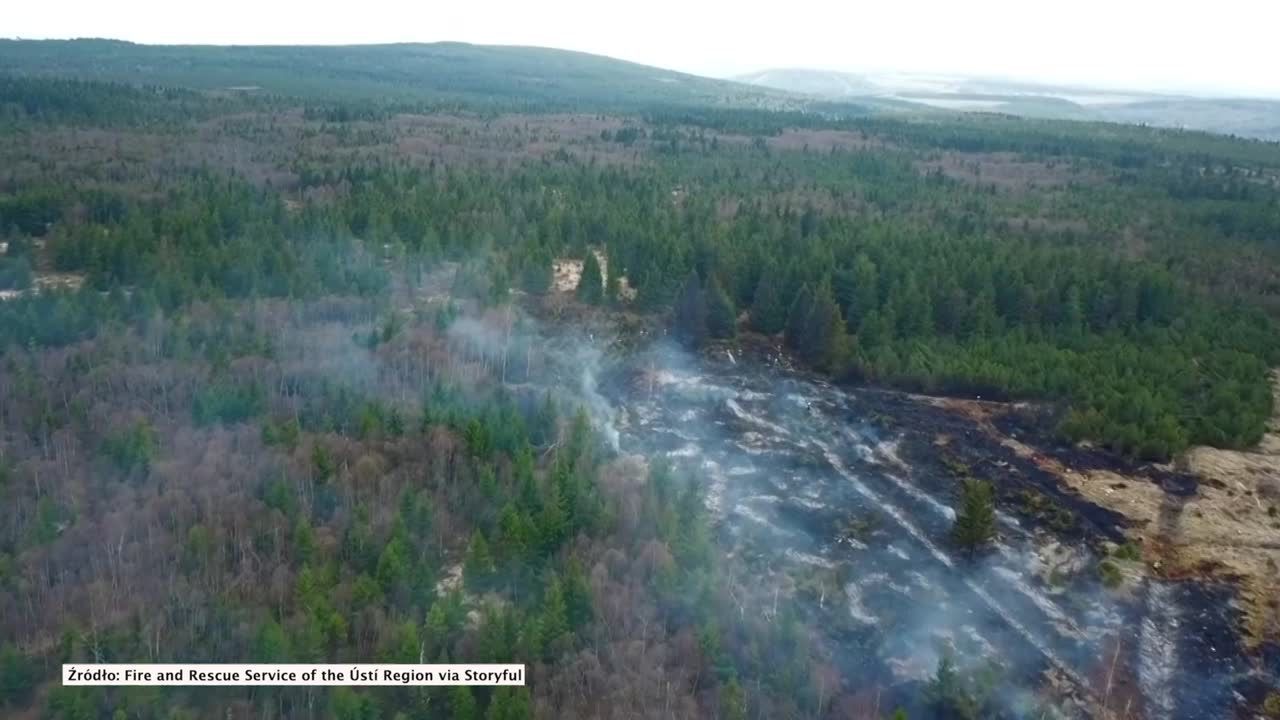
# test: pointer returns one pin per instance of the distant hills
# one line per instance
(545, 79)
(1257, 118)
(440, 72)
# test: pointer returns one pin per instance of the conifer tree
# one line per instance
(462, 703)
(768, 313)
(591, 283)
(17, 676)
(478, 565)
(536, 273)
(613, 279)
(722, 320)
(798, 317)
(975, 524)
(555, 616)
(577, 596)
(824, 340)
(689, 321)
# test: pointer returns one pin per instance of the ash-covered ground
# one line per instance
(841, 501)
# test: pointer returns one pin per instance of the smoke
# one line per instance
(588, 358)
(568, 365)
(798, 475)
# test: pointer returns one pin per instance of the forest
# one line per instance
(242, 416)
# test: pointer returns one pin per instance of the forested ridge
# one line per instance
(247, 411)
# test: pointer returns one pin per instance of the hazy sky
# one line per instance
(1225, 46)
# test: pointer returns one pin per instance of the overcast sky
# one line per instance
(1218, 46)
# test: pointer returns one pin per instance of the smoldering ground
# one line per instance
(831, 508)
(825, 500)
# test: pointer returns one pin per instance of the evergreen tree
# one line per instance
(478, 566)
(798, 317)
(689, 321)
(536, 273)
(591, 284)
(17, 677)
(577, 596)
(462, 703)
(553, 521)
(768, 313)
(865, 294)
(510, 703)
(824, 340)
(270, 646)
(947, 695)
(975, 524)
(613, 279)
(722, 318)
(554, 618)
(1072, 312)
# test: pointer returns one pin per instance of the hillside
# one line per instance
(439, 72)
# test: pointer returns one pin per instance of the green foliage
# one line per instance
(817, 331)
(689, 319)
(285, 433)
(722, 318)
(962, 696)
(768, 311)
(322, 462)
(131, 449)
(510, 703)
(591, 285)
(277, 494)
(536, 273)
(1110, 574)
(15, 273)
(347, 704)
(579, 606)
(80, 102)
(554, 619)
(1130, 551)
(975, 524)
(271, 645)
(201, 267)
(17, 677)
(227, 403)
(942, 292)
(798, 317)
(462, 704)
(358, 82)
(75, 703)
(733, 702)
(478, 568)
(393, 563)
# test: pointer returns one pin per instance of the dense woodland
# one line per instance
(238, 420)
